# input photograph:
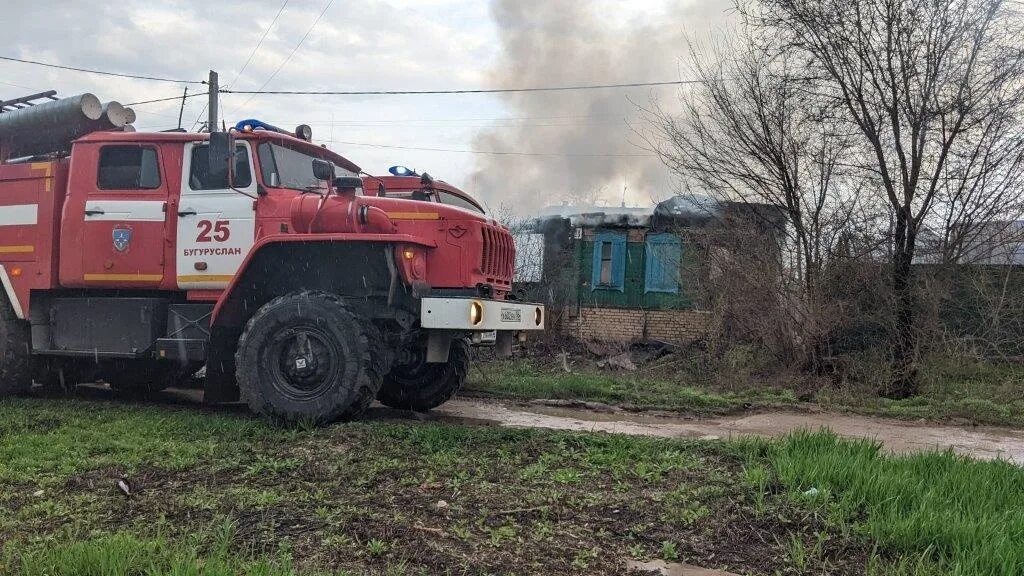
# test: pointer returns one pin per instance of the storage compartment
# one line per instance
(105, 327)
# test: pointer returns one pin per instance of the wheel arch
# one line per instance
(279, 265)
(353, 266)
(12, 295)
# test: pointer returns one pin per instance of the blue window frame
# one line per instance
(663, 257)
(609, 261)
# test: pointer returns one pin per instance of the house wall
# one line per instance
(633, 294)
(629, 325)
(577, 308)
(633, 314)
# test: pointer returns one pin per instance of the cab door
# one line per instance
(216, 225)
(125, 217)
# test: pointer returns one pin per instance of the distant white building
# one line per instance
(991, 244)
(529, 257)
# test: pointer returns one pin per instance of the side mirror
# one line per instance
(222, 156)
(347, 183)
(323, 170)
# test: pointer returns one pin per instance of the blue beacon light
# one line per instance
(402, 171)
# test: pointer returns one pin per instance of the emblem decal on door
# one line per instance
(122, 238)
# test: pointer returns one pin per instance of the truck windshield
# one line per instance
(286, 168)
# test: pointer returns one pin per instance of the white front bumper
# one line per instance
(458, 314)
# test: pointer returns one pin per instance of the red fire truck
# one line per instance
(138, 258)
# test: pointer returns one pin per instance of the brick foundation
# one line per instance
(624, 325)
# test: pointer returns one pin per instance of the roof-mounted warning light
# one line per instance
(302, 131)
(402, 171)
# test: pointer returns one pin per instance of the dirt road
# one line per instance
(897, 436)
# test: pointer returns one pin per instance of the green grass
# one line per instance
(222, 493)
(124, 554)
(529, 380)
(945, 513)
(952, 390)
(51, 442)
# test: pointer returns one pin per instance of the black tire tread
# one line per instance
(435, 389)
(369, 388)
(367, 383)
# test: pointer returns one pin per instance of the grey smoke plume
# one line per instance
(566, 42)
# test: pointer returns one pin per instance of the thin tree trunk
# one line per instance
(904, 381)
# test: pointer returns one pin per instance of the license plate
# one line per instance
(511, 315)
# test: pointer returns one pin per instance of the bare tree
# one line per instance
(934, 90)
(753, 132)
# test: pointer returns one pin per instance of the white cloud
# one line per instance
(359, 44)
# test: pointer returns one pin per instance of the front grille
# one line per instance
(498, 256)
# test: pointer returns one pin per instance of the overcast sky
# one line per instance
(378, 44)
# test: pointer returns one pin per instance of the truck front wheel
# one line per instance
(417, 385)
(306, 357)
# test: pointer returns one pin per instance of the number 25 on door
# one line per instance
(218, 231)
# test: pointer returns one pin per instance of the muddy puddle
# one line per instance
(897, 436)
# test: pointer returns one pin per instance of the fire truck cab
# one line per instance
(138, 258)
(424, 188)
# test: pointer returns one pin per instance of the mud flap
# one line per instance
(220, 387)
(439, 343)
(220, 370)
(503, 344)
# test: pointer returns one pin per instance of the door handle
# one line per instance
(94, 211)
(187, 212)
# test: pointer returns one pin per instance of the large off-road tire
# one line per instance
(144, 376)
(15, 352)
(305, 357)
(419, 386)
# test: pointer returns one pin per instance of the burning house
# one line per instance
(634, 274)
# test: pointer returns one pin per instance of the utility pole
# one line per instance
(181, 110)
(214, 94)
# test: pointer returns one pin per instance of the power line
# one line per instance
(260, 43)
(18, 85)
(426, 125)
(465, 91)
(249, 59)
(445, 128)
(161, 114)
(199, 118)
(167, 99)
(100, 72)
(438, 127)
(489, 152)
(286, 60)
(465, 119)
(254, 93)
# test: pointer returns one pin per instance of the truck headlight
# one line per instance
(476, 313)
